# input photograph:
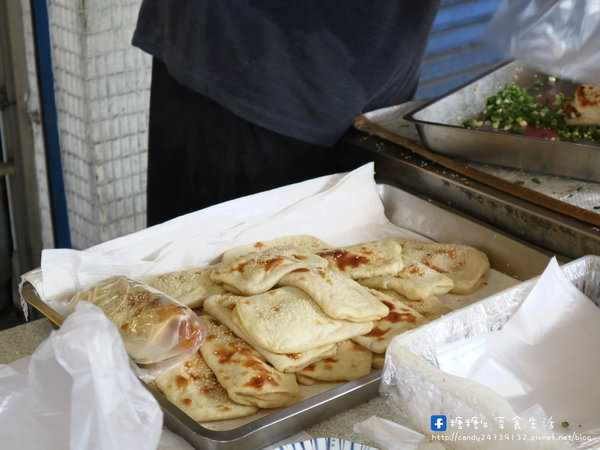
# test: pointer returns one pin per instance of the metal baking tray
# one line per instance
(404, 209)
(440, 126)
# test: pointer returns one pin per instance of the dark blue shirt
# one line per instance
(300, 68)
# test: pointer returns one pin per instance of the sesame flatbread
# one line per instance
(378, 360)
(221, 307)
(400, 319)
(193, 388)
(304, 380)
(415, 281)
(585, 109)
(257, 272)
(351, 361)
(430, 308)
(464, 264)
(366, 260)
(154, 326)
(302, 241)
(339, 296)
(189, 287)
(242, 371)
(287, 320)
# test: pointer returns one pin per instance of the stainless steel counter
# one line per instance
(395, 165)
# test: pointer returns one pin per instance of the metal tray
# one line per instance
(440, 126)
(506, 255)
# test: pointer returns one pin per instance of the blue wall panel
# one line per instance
(456, 52)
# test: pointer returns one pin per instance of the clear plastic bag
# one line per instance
(558, 37)
(77, 391)
(155, 328)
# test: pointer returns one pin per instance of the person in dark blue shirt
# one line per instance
(251, 95)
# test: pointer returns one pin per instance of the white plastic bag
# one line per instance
(392, 436)
(77, 391)
(558, 37)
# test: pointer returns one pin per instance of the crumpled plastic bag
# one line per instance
(155, 327)
(77, 391)
(558, 37)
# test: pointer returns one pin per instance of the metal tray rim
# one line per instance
(410, 117)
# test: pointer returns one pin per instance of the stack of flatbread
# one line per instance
(297, 310)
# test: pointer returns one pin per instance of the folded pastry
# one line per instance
(304, 380)
(257, 272)
(370, 259)
(339, 296)
(401, 318)
(302, 241)
(287, 320)
(244, 374)
(464, 264)
(378, 360)
(585, 109)
(154, 327)
(193, 388)
(221, 307)
(350, 362)
(430, 308)
(415, 281)
(189, 287)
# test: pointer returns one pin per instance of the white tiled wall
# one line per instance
(102, 94)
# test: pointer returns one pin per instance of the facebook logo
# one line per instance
(439, 423)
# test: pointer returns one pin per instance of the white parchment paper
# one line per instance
(545, 355)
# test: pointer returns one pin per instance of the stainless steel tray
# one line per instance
(506, 255)
(440, 126)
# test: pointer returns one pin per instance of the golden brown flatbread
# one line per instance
(378, 361)
(585, 109)
(351, 361)
(339, 296)
(257, 272)
(464, 264)
(154, 327)
(189, 287)
(430, 308)
(221, 307)
(193, 388)
(302, 241)
(400, 319)
(415, 281)
(306, 381)
(241, 370)
(366, 260)
(287, 320)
